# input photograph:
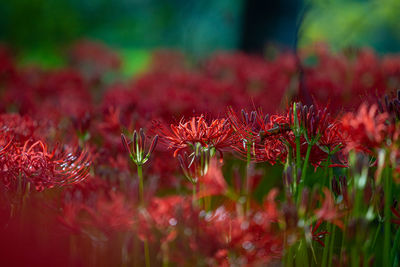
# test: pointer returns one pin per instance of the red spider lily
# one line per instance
(318, 236)
(314, 122)
(162, 217)
(137, 153)
(332, 139)
(245, 126)
(173, 218)
(391, 106)
(276, 136)
(20, 128)
(111, 213)
(264, 81)
(34, 164)
(255, 239)
(258, 135)
(270, 206)
(274, 132)
(104, 211)
(197, 132)
(274, 150)
(340, 78)
(328, 211)
(365, 130)
(267, 137)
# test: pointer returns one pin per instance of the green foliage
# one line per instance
(353, 23)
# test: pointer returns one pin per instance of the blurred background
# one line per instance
(39, 30)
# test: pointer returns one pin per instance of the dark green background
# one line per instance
(40, 29)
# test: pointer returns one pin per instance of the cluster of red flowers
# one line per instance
(66, 133)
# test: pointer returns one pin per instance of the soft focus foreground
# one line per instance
(234, 160)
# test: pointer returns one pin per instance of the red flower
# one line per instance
(328, 211)
(246, 127)
(20, 128)
(365, 130)
(86, 210)
(189, 134)
(33, 163)
(318, 236)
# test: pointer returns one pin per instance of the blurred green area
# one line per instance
(343, 23)
(42, 29)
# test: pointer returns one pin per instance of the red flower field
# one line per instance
(232, 160)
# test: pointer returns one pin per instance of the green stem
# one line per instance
(327, 171)
(298, 157)
(355, 257)
(331, 245)
(247, 189)
(326, 248)
(146, 245)
(146, 254)
(387, 212)
(302, 255)
(378, 229)
(395, 248)
(140, 175)
(303, 173)
(194, 194)
(342, 247)
(289, 257)
(165, 255)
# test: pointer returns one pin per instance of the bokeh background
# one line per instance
(39, 30)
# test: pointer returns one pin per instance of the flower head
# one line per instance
(197, 134)
(365, 130)
(137, 153)
(33, 163)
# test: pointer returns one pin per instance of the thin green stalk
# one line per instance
(395, 248)
(355, 256)
(146, 245)
(325, 253)
(247, 189)
(326, 171)
(387, 224)
(331, 245)
(146, 254)
(343, 243)
(289, 262)
(378, 230)
(165, 255)
(302, 255)
(194, 194)
(140, 175)
(298, 157)
(298, 164)
(303, 173)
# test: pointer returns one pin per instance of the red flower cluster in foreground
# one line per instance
(233, 168)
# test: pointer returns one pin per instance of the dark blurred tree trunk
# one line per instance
(269, 21)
